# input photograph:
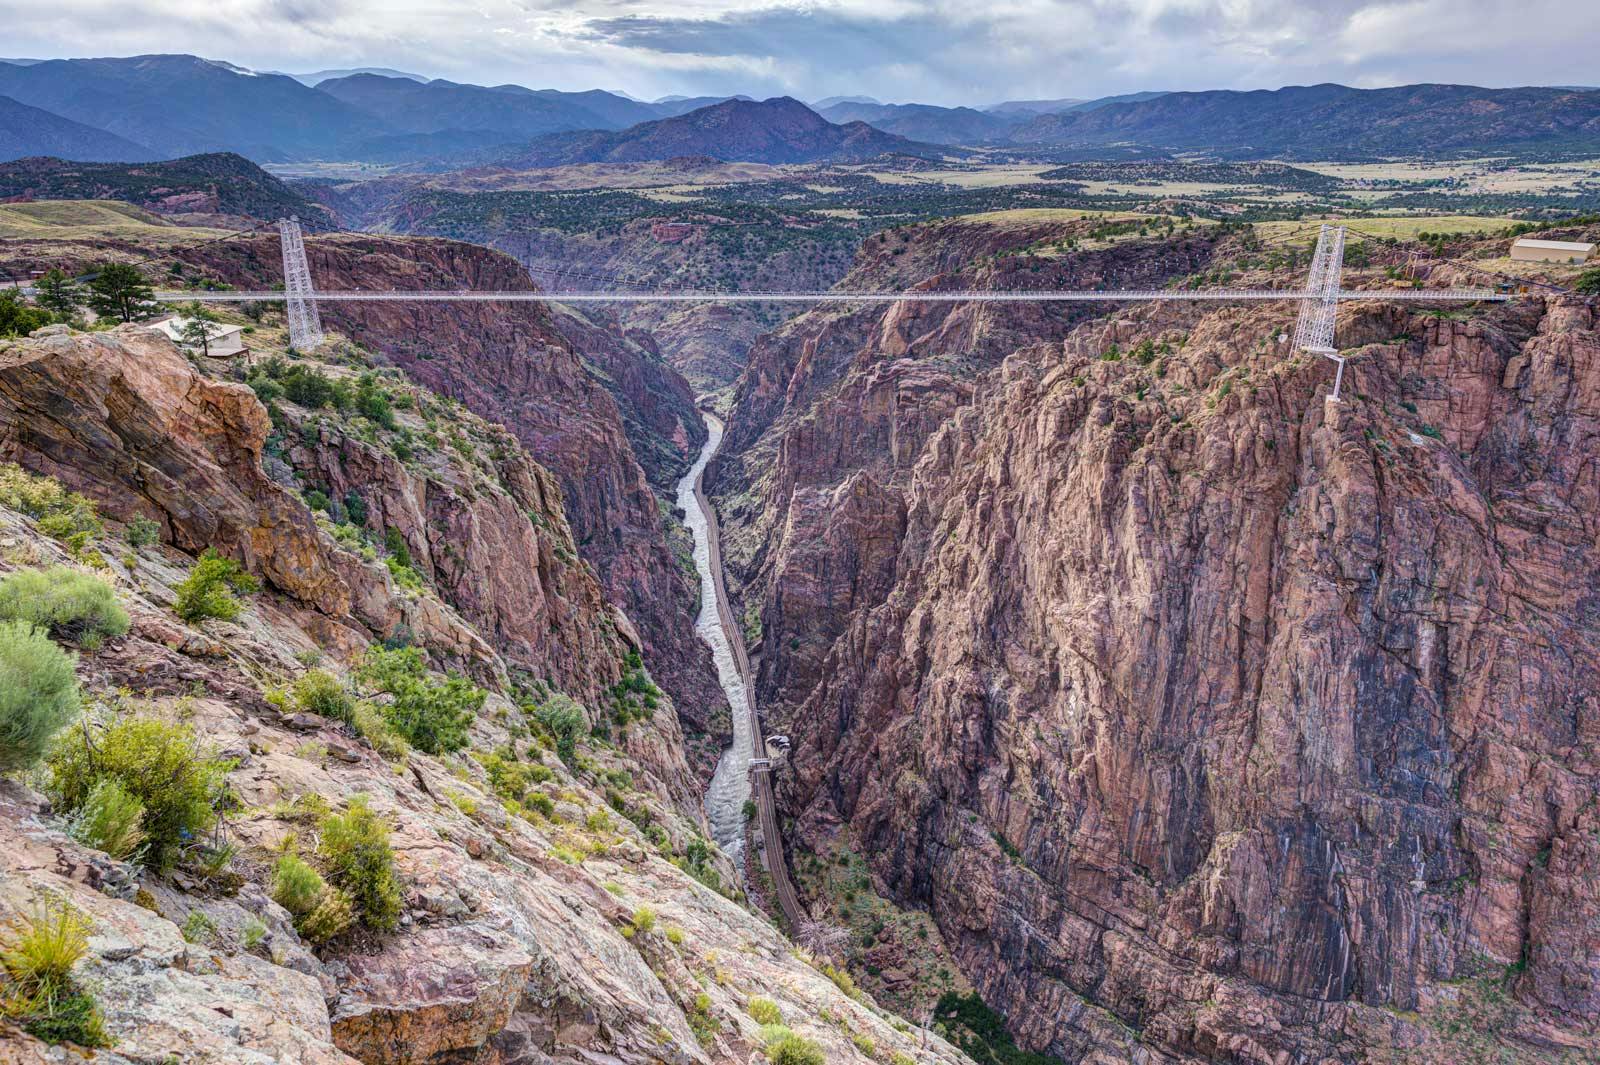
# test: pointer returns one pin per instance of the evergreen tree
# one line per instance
(119, 291)
(58, 292)
(196, 331)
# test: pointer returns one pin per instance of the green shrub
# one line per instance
(296, 886)
(764, 1011)
(354, 849)
(72, 604)
(540, 802)
(311, 388)
(565, 720)
(783, 1047)
(208, 592)
(198, 927)
(433, 716)
(110, 820)
(38, 694)
(372, 402)
(317, 691)
(1588, 282)
(41, 995)
(510, 780)
(18, 319)
(142, 532)
(374, 728)
(61, 514)
(644, 919)
(320, 912)
(161, 765)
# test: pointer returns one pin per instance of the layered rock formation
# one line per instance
(1209, 721)
(593, 405)
(586, 934)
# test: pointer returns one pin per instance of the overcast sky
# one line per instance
(946, 51)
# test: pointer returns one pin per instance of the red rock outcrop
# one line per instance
(125, 419)
(1252, 722)
(527, 367)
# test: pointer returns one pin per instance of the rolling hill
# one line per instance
(779, 130)
(26, 131)
(219, 183)
(1334, 121)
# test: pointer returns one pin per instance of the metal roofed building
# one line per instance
(1527, 249)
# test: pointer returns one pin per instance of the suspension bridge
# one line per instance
(1314, 333)
(1314, 330)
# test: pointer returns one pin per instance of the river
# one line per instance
(730, 785)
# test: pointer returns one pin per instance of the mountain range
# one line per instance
(169, 106)
(1334, 121)
(26, 131)
(780, 130)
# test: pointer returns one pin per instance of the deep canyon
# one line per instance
(1175, 711)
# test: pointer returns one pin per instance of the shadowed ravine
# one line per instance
(730, 785)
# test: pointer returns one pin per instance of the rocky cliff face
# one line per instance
(1209, 721)
(588, 932)
(592, 404)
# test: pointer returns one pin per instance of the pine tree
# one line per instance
(119, 291)
(57, 291)
(196, 332)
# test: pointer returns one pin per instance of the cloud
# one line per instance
(937, 51)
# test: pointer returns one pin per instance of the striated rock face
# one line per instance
(1210, 722)
(578, 935)
(126, 419)
(590, 404)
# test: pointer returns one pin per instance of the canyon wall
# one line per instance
(603, 412)
(1209, 720)
(521, 934)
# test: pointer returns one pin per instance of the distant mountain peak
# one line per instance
(776, 130)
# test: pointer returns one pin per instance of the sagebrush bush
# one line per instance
(110, 819)
(41, 995)
(161, 765)
(433, 716)
(72, 604)
(38, 694)
(319, 692)
(354, 850)
(209, 590)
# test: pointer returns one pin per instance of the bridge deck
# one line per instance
(1455, 295)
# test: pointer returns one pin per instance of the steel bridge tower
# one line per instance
(305, 324)
(1313, 333)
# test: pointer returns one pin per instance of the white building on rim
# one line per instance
(223, 339)
(1527, 249)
